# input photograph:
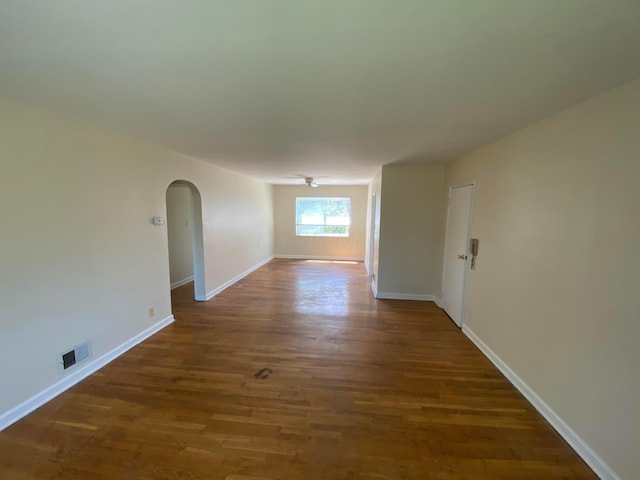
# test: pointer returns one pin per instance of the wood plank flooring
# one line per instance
(357, 388)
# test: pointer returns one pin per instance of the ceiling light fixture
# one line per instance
(310, 182)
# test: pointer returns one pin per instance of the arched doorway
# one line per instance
(185, 237)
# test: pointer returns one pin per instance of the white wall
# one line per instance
(80, 258)
(286, 243)
(556, 290)
(411, 226)
(179, 233)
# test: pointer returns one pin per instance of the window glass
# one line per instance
(323, 216)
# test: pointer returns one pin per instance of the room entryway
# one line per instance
(185, 237)
(372, 235)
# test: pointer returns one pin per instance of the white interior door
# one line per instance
(456, 252)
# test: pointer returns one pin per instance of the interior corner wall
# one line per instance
(287, 244)
(81, 258)
(179, 233)
(373, 241)
(555, 293)
(411, 226)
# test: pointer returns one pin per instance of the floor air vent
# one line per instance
(76, 355)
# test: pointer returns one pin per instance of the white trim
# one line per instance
(405, 296)
(237, 278)
(598, 465)
(374, 288)
(373, 209)
(437, 301)
(318, 257)
(182, 282)
(16, 413)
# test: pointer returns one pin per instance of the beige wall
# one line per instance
(179, 236)
(556, 290)
(412, 221)
(80, 258)
(286, 243)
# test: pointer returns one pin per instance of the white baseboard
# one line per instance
(405, 296)
(226, 285)
(588, 455)
(437, 301)
(39, 399)
(179, 283)
(374, 288)
(318, 257)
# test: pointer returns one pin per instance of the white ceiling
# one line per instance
(334, 88)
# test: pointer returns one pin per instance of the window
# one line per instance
(323, 216)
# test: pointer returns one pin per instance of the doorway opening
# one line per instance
(185, 238)
(372, 235)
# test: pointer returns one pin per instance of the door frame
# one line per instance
(467, 268)
(372, 233)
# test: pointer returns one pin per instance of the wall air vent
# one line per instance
(77, 354)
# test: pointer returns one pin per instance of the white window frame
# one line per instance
(347, 226)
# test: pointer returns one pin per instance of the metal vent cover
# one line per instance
(75, 355)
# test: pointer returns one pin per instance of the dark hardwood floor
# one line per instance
(349, 387)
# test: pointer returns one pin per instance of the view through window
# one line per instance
(323, 216)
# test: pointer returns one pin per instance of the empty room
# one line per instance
(296, 240)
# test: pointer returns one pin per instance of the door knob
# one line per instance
(462, 257)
